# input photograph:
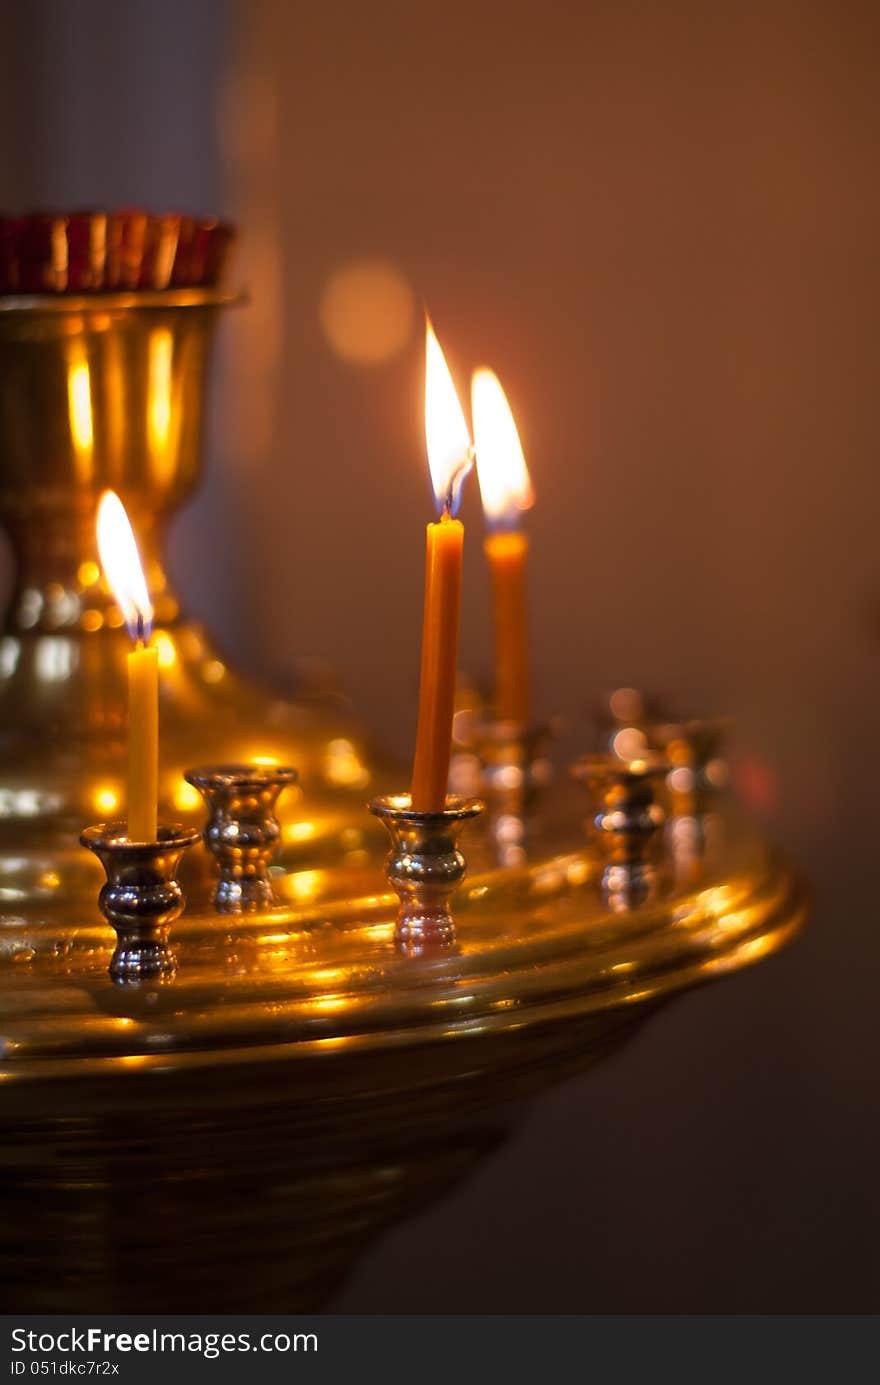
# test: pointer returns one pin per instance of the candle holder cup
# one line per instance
(424, 867)
(141, 897)
(242, 831)
(627, 821)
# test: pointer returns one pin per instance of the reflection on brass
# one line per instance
(424, 867)
(242, 831)
(141, 898)
(627, 820)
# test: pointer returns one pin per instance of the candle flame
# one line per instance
(505, 486)
(450, 455)
(122, 566)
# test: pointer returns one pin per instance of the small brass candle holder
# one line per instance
(627, 820)
(424, 867)
(514, 768)
(242, 831)
(697, 774)
(141, 898)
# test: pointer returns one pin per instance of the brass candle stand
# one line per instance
(242, 831)
(695, 783)
(141, 898)
(405, 1039)
(424, 867)
(627, 819)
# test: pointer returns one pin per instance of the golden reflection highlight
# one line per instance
(159, 412)
(79, 407)
(106, 799)
(343, 766)
(301, 886)
(330, 1004)
(299, 831)
(185, 797)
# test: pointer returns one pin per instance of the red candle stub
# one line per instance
(129, 250)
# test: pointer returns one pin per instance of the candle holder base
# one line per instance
(242, 832)
(424, 867)
(141, 898)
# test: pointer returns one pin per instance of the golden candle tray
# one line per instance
(231, 1137)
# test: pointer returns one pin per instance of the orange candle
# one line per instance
(125, 576)
(506, 491)
(449, 456)
(506, 552)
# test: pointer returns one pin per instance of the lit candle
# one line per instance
(506, 492)
(449, 457)
(125, 577)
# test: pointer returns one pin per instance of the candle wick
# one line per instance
(450, 503)
(140, 630)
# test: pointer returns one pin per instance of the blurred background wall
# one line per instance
(659, 225)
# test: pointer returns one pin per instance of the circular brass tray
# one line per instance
(232, 1140)
(317, 981)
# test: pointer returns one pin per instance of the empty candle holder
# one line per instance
(424, 867)
(141, 897)
(513, 769)
(697, 774)
(627, 821)
(242, 832)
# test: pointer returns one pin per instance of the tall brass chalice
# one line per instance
(229, 1134)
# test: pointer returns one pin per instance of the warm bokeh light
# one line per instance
(367, 311)
(186, 798)
(343, 766)
(87, 573)
(167, 652)
(448, 441)
(627, 704)
(213, 671)
(122, 565)
(505, 487)
(105, 799)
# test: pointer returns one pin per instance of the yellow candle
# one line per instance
(449, 456)
(125, 576)
(143, 743)
(506, 491)
(506, 554)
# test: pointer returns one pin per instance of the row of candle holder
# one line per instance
(142, 895)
